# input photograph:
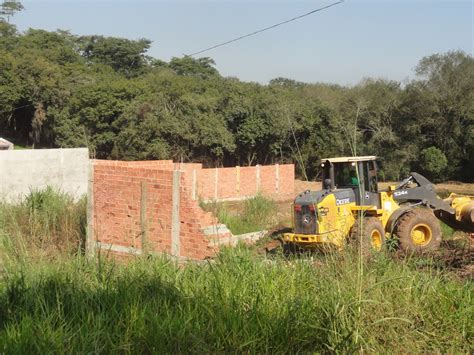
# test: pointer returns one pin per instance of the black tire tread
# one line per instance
(408, 220)
(368, 225)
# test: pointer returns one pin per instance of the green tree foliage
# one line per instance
(123, 55)
(62, 90)
(202, 67)
(448, 85)
(433, 162)
(8, 8)
(91, 116)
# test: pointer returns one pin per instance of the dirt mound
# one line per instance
(457, 256)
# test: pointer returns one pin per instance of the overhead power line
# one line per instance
(267, 28)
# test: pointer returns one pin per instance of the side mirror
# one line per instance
(327, 184)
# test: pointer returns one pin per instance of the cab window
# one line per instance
(371, 177)
(345, 175)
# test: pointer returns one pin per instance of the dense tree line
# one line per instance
(62, 90)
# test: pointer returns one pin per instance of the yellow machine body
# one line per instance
(350, 192)
(336, 221)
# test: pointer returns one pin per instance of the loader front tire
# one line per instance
(418, 230)
(368, 234)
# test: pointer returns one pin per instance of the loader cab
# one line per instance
(356, 173)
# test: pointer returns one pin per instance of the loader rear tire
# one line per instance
(418, 230)
(369, 236)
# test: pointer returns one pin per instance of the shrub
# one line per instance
(433, 162)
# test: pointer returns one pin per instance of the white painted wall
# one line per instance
(22, 170)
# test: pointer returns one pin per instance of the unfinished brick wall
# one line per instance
(117, 203)
(196, 242)
(150, 164)
(275, 181)
(149, 206)
(133, 212)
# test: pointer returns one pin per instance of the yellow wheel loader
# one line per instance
(351, 206)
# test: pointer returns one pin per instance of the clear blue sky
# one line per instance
(343, 44)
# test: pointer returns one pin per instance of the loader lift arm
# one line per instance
(424, 193)
(456, 212)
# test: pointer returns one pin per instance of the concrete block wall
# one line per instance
(24, 170)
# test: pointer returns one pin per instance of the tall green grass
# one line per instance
(239, 303)
(257, 213)
(46, 220)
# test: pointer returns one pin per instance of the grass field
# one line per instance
(53, 300)
(242, 302)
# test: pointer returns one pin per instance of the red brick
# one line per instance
(117, 187)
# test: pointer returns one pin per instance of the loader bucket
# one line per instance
(463, 218)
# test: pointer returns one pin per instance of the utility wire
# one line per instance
(268, 28)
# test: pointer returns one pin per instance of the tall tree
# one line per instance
(58, 89)
(438, 110)
(201, 67)
(8, 8)
(123, 55)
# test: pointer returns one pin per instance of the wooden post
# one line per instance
(143, 217)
